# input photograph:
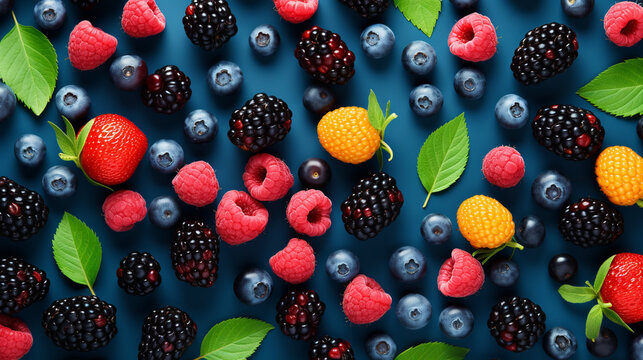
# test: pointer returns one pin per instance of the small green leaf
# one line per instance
(66, 145)
(421, 13)
(69, 129)
(375, 115)
(602, 273)
(234, 339)
(82, 135)
(615, 318)
(576, 294)
(444, 156)
(434, 350)
(77, 251)
(593, 324)
(617, 90)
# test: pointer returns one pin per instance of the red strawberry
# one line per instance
(623, 287)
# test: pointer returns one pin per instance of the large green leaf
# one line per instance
(234, 339)
(434, 350)
(421, 13)
(602, 273)
(28, 64)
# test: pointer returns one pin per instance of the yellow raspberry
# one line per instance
(619, 172)
(348, 136)
(485, 223)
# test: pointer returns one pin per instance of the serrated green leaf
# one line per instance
(434, 350)
(576, 294)
(29, 66)
(421, 13)
(234, 339)
(615, 318)
(77, 251)
(375, 115)
(593, 323)
(444, 156)
(602, 273)
(617, 90)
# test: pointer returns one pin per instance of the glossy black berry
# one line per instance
(590, 222)
(261, 122)
(167, 333)
(209, 23)
(195, 254)
(22, 211)
(167, 90)
(367, 9)
(516, 323)
(299, 314)
(562, 267)
(139, 273)
(314, 173)
(328, 348)
(21, 284)
(604, 345)
(325, 56)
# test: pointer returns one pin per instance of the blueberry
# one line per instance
(504, 272)
(377, 40)
(577, 8)
(419, 58)
(200, 126)
(413, 311)
(407, 264)
(560, 343)
(49, 14)
(314, 173)
(436, 228)
(30, 150)
(531, 231)
(639, 127)
(636, 348)
(380, 346)
(562, 267)
(551, 189)
(7, 102)
(166, 156)
(264, 40)
(512, 112)
(319, 99)
(5, 6)
(456, 321)
(605, 343)
(342, 266)
(253, 286)
(128, 72)
(59, 181)
(470, 83)
(426, 100)
(464, 4)
(73, 102)
(164, 212)
(225, 78)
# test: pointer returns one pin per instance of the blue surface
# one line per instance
(281, 76)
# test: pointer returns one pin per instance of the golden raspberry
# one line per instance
(619, 172)
(347, 135)
(484, 222)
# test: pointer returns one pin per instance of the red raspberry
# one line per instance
(473, 38)
(15, 338)
(624, 23)
(123, 209)
(267, 177)
(240, 218)
(295, 263)
(142, 18)
(196, 184)
(89, 47)
(308, 212)
(296, 11)
(503, 166)
(461, 275)
(365, 301)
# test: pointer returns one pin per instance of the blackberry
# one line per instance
(261, 122)
(299, 313)
(22, 211)
(209, 23)
(21, 284)
(590, 222)
(325, 56)
(167, 333)
(374, 203)
(545, 51)
(85, 4)
(195, 254)
(167, 90)
(568, 131)
(139, 273)
(367, 9)
(328, 348)
(80, 323)
(516, 323)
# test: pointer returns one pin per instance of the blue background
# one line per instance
(281, 76)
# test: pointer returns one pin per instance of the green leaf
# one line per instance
(234, 339)
(66, 145)
(375, 115)
(617, 90)
(576, 294)
(82, 135)
(29, 66)
(77, 251)
(421, 13)
(615, 318)
(434, 350)
(593, 324)
(444, 156)
(602, 273)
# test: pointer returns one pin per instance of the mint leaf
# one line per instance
(602, 273)
(29, 66)
(593, 324)
(77, 251)
(434, 350)
(444, 156)
(576, 294)
(375, 115)
(617, 90)
(234, 339)
(421, 13)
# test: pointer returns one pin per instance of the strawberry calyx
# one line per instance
(380, 120)
(484, 255)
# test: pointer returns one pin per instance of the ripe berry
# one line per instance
(456, 321)
(551, 189)
(166, 156)
(264, 40)
(619, 173)
(325, 56)
(342, 265)
(314, 173)
(7, 101)
(577, 8)
(209, 23)
(407, 264)
(504, 272)
(516, 323)
(59, 181)
(22, 211)
(164, 212)
(21, 285)
(531, 231)
(167, 90)
(30, 150)
(128, 72)
(381, 346)
(139, 273)
(200, 126)
(225, 78)
(436, 228)
(560, 343)
(328, 348)
(73, 102)
(167, 333)
(604, 345)
(49, 14)
(260, 122)
(426, 100)
(562, 267)
(590, 222)
(377, 41)
(367, 9)
(413, 311)
(512, 112)
(299, 314)
(195, 254)
(419, 58)
(319, 99)
(253, 286)
(470, 83)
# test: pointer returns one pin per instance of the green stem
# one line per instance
(388, 149)
(487, 254)
(426, 202)
(91, 290)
